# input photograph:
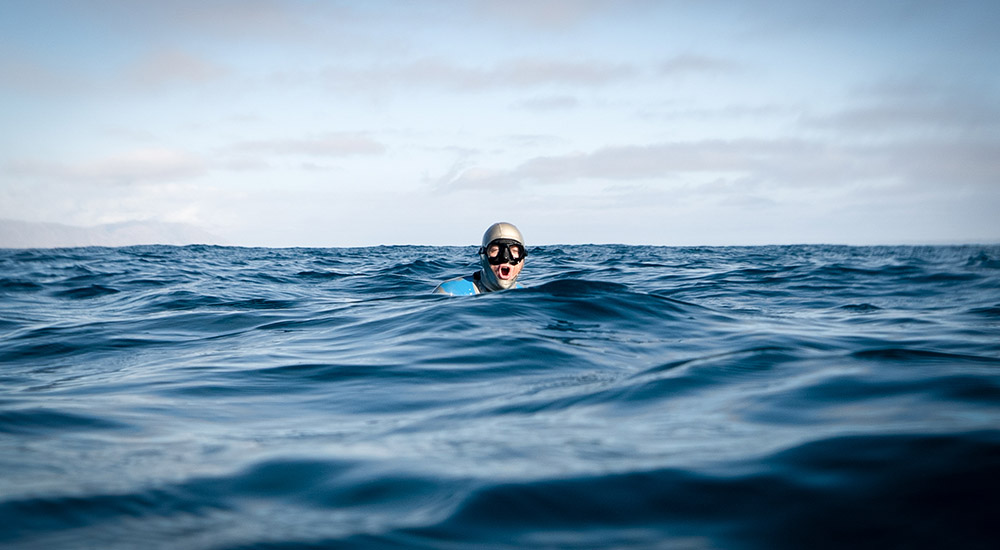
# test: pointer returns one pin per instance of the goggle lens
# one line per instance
(502, 253)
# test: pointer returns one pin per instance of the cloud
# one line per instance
(534, 140)
(232, 19)
(954, 164)
(882, 118)
(694, 63)
(330, 145)
(913, 107)
(140, 166)
(163, 68)
(152, 71)
(550, 103)
(515, 73)
(551, 13)
(622, 163)
(24, 75)
(787, 164)
(21, 234)
(533, 72)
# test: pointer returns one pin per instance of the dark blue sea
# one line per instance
(630, 397)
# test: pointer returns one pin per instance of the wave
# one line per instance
(824, 493)
(628, 397)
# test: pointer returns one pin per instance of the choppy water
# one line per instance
(631, 397)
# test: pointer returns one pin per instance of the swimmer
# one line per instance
(501, 256)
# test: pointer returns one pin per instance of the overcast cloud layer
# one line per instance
(299, 123)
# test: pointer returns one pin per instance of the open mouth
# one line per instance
(504, 272)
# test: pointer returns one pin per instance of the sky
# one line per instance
(356, 123)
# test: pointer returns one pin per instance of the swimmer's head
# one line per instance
(502, 256)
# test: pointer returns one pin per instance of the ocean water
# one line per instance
(630, 397)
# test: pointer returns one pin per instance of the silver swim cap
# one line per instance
(498, 231)
(502, 230)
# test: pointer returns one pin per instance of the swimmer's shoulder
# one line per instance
(459, 286)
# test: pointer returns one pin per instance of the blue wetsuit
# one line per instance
(464, 286)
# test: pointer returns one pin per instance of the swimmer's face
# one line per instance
(505, 271)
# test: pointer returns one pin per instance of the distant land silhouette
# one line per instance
(21, 234)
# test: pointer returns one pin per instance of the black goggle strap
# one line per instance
(503, 254)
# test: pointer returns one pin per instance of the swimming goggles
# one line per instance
(508, 251)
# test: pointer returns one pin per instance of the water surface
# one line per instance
(630, 397)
